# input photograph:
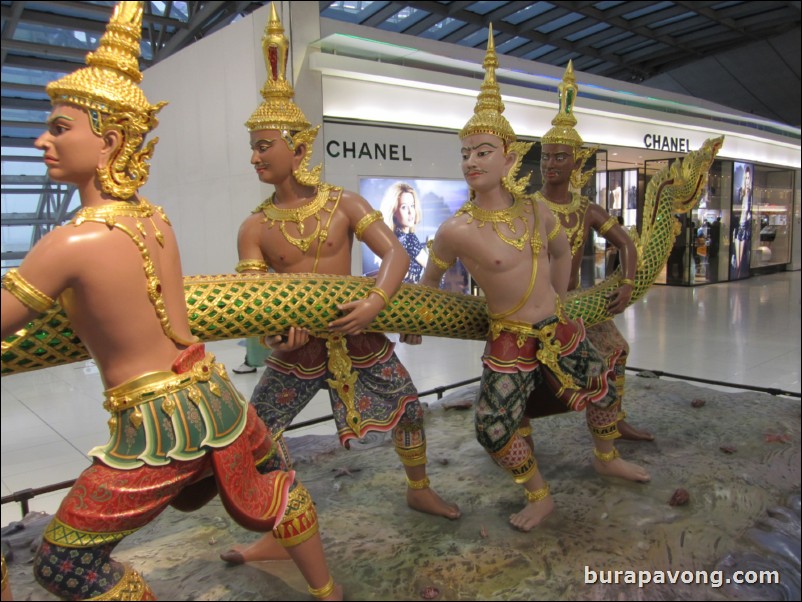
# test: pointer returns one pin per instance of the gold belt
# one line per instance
(154, 385)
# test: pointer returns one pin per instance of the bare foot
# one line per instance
(266, 548)
(426, 500)
(532, 514)
(621, 468)
(631, 433)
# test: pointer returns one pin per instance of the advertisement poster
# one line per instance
(741, 245)
(413, 209)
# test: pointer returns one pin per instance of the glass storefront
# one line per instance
(740, 226)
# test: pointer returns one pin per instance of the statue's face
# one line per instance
(273, 160)
(72, 151)
(484, 161)
(556, 163)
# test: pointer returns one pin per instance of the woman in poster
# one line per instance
(401, 209)
(742, 236)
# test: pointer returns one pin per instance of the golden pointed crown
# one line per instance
(278, 111)
(563, 131)
(109, 81)
(487, 115)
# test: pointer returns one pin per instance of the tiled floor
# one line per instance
(746, 332)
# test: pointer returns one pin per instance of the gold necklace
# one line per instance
(577, 209)
(107, 214)
(298, 216)
(508, 216)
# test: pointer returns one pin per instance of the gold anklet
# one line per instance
(322, 592)
(525, 431)
(606, 456)
(537, 494)
(422, 484)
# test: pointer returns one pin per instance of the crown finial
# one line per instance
(487, 115)
(278, 111)
(109, 81)
(563, 131)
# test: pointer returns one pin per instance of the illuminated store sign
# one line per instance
(667, 143)
(365, 150)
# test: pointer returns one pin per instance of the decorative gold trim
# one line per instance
(381, 294)
(517, 211)
(26, 293)
(606, 456)
(565, 209)
(322, 592)
(157, 384)
(61, 534)
(607, 225)
(131, 586)
(298, 216)
(412, 456)
(576, 208)
(367, 221)
(300, 519)
(422, 484)
(443, 265)
(344, 379)
(537, 494)
(252, 265)
(107, 214)
(555, 230)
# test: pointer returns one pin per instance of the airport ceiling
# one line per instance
(744, 55)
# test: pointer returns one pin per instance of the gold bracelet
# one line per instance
(606, 456)
(381, 294)
(26, 293)
(365, 223)
(422, 484)
(435, 259)
(628, 281)
(322, 592)
(252, 265)
(611, 221)
(537, 494)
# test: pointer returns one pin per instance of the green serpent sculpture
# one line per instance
(236, 305)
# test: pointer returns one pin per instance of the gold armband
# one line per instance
(249, 265)
(555, 231)
(605, 227)
(366, 223)
(435, 259)
(27, 293)
(381, 294)
(628, 281)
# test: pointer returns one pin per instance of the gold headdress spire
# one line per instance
(278, 111)
(487, 115)
(107, 88)
(563, 131)
(109, 82)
